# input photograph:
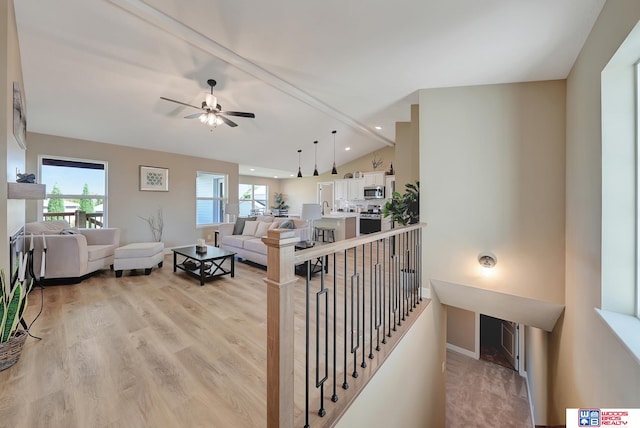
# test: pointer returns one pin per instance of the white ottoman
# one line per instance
(139, 255)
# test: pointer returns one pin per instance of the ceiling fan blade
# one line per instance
(239, 114)
(179, 102)
(227, 121)
(193, 116)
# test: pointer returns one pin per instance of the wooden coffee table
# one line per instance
(204, 265)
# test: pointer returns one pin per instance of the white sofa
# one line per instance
(247, 243)
(72, 253)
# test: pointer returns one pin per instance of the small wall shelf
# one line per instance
(25, 191)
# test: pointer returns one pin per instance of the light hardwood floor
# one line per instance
(148, 351)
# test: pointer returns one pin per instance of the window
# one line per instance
(211, 193)
(620, 291)
(637, 188)
(253, 199)
(74, 185)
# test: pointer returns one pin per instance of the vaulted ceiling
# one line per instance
(96, 69)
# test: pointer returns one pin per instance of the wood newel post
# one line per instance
(280, 326)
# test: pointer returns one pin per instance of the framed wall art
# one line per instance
(154, 179)
(19, 117)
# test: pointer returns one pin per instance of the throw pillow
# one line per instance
(287, 225)
(262, 228)
(250, 227)
(238, 228)
(68, 232)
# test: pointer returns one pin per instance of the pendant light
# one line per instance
(334, 171)
(299, 171)
(315, 167)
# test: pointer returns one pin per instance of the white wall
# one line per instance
(12, 156)
(606, 375)
(409, 389)
(126, 201)
(492, 175)
(536, 352)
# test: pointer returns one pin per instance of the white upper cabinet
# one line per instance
(374, 178)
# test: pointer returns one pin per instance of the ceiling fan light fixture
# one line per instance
(315, 167)
(299, 170)
(211, 101)
(334, 170)
(203, 118)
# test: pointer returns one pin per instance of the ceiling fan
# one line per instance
(211, 112)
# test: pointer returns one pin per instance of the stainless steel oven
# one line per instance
(370, 223)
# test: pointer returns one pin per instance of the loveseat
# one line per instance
(72, 253)
(244, 236)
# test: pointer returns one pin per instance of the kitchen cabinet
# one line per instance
(340, 190)
(356, 188)
(348, 189)
(374, 178)
(389, 185)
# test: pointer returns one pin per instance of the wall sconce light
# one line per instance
(487, 260)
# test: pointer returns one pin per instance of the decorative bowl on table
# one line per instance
(191, 265)
(201, 248)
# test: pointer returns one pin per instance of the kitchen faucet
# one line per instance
(325, 202)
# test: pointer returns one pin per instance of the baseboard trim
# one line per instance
(462, 351)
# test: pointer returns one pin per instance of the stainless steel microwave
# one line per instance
(374, 192)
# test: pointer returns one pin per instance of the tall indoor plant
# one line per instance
(404, 208)
(13, 302)
(280, 204)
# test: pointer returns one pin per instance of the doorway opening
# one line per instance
(499, 342)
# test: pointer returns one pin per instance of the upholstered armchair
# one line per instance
(72, 253)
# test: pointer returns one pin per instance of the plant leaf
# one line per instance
(23, 304)
(11, 313)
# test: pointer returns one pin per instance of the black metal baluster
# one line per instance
(355, 317)
(383, 284)
(419, 271)
(320, 382)
(396, 291)
(334, 396)
(364, 307)
(416, 263)
(355, 312)
(371, 298)
(378, 295)
(405, 274)
(345, 384)
(306, 374)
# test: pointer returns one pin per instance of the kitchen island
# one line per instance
(346, 224)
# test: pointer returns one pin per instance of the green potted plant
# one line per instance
(280, 206)
(404, 208)
(13, 302)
